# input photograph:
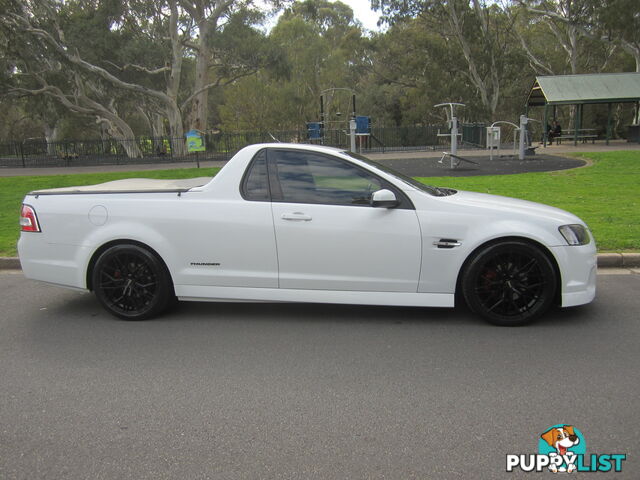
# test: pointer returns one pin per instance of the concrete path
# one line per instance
(552, 150)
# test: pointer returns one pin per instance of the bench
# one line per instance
(455, 160)
(581, 137)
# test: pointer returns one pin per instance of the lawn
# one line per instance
(606, 194)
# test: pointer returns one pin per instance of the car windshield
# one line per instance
(431, 190)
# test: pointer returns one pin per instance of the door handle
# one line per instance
(296, 217)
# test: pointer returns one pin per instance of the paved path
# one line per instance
(248, 391)
(551, 151)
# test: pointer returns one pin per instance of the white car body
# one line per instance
(218, 246)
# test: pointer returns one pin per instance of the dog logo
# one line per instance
(563, 439)
(562, 449)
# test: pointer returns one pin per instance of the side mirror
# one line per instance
(384, 199)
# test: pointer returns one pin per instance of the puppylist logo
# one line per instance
(562, 449)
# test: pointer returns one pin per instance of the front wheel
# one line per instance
(509, 283)
(132, 283)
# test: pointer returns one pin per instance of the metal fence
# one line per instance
(220, 146)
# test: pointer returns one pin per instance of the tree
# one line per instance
(411, 69)
(317, 41)
(136, 48)
(38, 70)
(622, 29)
(481, 30)
(570, 23)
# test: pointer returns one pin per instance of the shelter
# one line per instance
(581, 90)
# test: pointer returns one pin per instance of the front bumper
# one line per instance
(578, 272)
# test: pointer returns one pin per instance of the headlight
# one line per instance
(575, 234)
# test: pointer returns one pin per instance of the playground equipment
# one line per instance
(325, 117)
(493, 137)
(453, 125)
(524, 136)
(358, 127)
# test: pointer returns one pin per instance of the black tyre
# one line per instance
(132, 283)
(509, 283)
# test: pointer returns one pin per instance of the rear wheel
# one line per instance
(509, 283)
(132, 283)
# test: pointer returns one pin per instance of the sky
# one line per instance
(362, 11)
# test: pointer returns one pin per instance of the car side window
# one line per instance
(256, 184)
(306, 177)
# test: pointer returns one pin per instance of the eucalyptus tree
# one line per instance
(618, 21)
(411, 69)
(570, 32)
(65, 51)
(106, 51)
(317, 42)
(479, 32)
(40, 65)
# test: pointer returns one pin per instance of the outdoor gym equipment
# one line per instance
(493, 137)
(453, 125)
(455, 160)
(325, 119)
(524, 135)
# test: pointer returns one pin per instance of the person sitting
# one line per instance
(554, 132)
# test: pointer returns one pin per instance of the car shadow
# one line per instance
(80, 309)
(85, 307)
(322, 313)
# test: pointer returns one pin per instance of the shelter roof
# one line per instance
(580, 89)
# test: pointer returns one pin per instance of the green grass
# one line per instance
(13, 190)
(606, 194)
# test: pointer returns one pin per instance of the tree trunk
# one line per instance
(51, 135)
(157, 131)
(171, 109)
(122, 133)
(178, 140)
(488, 86)
(200, 102)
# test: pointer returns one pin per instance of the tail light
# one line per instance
(28, 219)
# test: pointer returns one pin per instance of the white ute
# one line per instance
(304, 223)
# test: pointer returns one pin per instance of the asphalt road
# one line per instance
(253, 391)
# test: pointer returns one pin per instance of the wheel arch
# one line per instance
(543, 248)
(123, 241)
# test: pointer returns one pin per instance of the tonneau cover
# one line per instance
(131, 185)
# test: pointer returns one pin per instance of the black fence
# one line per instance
(221, 146)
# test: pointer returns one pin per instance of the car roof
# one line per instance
(299, 146)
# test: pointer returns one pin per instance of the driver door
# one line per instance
(329, 237)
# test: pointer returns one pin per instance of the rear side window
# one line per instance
(256, 184)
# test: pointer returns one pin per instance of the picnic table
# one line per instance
(582, 134)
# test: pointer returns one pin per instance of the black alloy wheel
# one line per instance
(132, 283)
(509, 283)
